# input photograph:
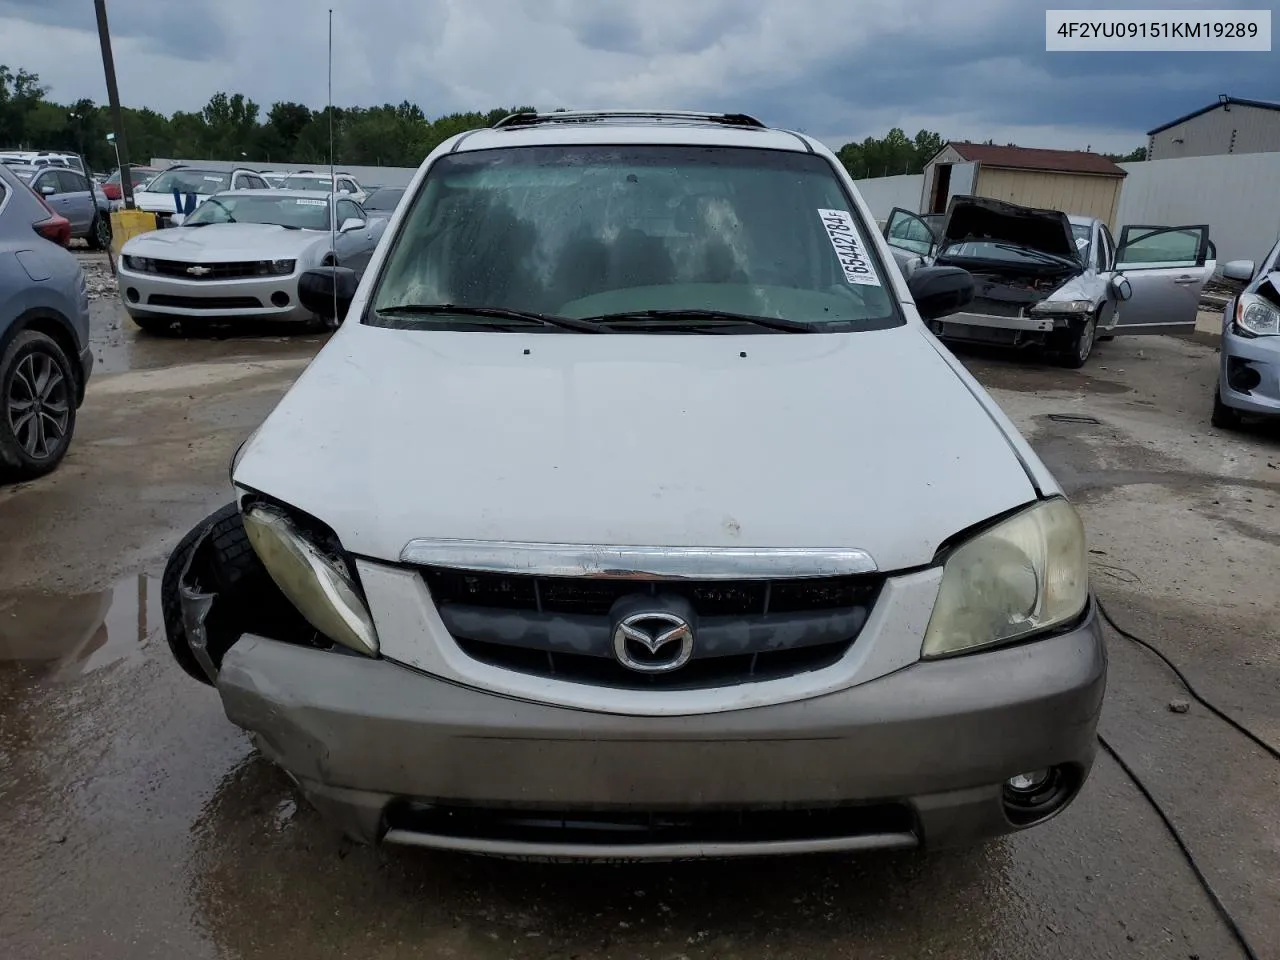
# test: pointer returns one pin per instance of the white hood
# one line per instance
(223, 242)
(864, 440)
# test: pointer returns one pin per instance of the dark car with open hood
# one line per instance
(1060, 282)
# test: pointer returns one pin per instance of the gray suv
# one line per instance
(45, 358)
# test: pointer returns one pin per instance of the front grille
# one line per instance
(562, 627)
(996, 308)
(203, 303)
(623, 828)
(211, 271)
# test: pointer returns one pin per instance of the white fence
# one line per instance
(882, 194)
(367, 176)
(1237, 195)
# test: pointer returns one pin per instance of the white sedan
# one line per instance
(239, 256)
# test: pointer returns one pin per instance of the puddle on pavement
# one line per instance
(64, 636)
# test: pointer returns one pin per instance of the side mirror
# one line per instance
(939, 291)
(1238, 270)
(47, 189)
(1121, 287)
(351, 223)
(320, 289)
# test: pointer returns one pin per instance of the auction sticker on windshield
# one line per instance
(849, 248)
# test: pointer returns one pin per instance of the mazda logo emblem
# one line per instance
(653, 641)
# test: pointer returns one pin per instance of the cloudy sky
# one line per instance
(838, 69)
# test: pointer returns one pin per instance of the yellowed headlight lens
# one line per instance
(1026, 574)
(320, 589)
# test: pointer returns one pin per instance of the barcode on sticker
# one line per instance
(311, 203)
(849, 248)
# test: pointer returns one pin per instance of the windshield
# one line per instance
(302, 213)
(384, 199)
(203, 182)
(585, 232)
(308, 182)
(999, 250)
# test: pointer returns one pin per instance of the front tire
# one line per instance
(233, 558)
(1224, 417)
(37, 406)
(1078, 346)
(100, 233)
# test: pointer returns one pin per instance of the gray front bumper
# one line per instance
(940, 737)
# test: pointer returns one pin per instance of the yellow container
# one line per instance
(126, 224)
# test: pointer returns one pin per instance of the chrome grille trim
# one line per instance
(601, 561)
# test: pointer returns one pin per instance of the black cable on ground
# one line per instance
(1218, 905)
(1237, 725)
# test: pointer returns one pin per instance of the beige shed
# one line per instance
(1073, 181)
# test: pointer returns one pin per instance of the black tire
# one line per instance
(37, 411)
(156, 326)
(99, 233)
(1078, 345)
(233, 558)
(1224, 417)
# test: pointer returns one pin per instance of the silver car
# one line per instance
(239, 256)
(74, 196)
(45, 358)
(1060, 282)
(1249, 363)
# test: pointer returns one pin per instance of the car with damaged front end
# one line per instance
(1249, 360)
(1054, 281)
(633, 512)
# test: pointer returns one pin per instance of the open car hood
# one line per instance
(981, 218)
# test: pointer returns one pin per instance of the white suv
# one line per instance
(175, 193)
(633, 512)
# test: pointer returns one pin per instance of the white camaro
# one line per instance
(239, 256)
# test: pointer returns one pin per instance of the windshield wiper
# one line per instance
(497, 313)
(693, 319)
(218, 203)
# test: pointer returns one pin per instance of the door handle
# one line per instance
(1186, 280)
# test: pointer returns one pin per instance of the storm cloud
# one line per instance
(833, 68)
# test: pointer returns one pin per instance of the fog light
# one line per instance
(132, 294)
(280, 298)
(1242, 377)
(1029, 783)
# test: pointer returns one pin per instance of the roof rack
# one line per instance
(529, 119)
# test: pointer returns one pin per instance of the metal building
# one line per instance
(1231, 125)
(1074, 181)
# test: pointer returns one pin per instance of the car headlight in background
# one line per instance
(1063, 306)
(140, 264)
(314, 582)
(1026, 574)
(276, 268)
(1256, 316)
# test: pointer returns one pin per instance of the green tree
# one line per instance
(890, 155)
(1133, 156)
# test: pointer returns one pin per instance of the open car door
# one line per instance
(1167, 267)
(909, 236)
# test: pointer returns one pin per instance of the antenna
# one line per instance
(333, 178)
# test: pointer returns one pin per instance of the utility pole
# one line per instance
(113, 96)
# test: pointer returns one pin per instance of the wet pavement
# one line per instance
(137, 822)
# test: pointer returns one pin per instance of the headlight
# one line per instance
(317, 584)
(277, 268)
(1063, 306)
(141, 264)
(1256, 317)
(1026, 574)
